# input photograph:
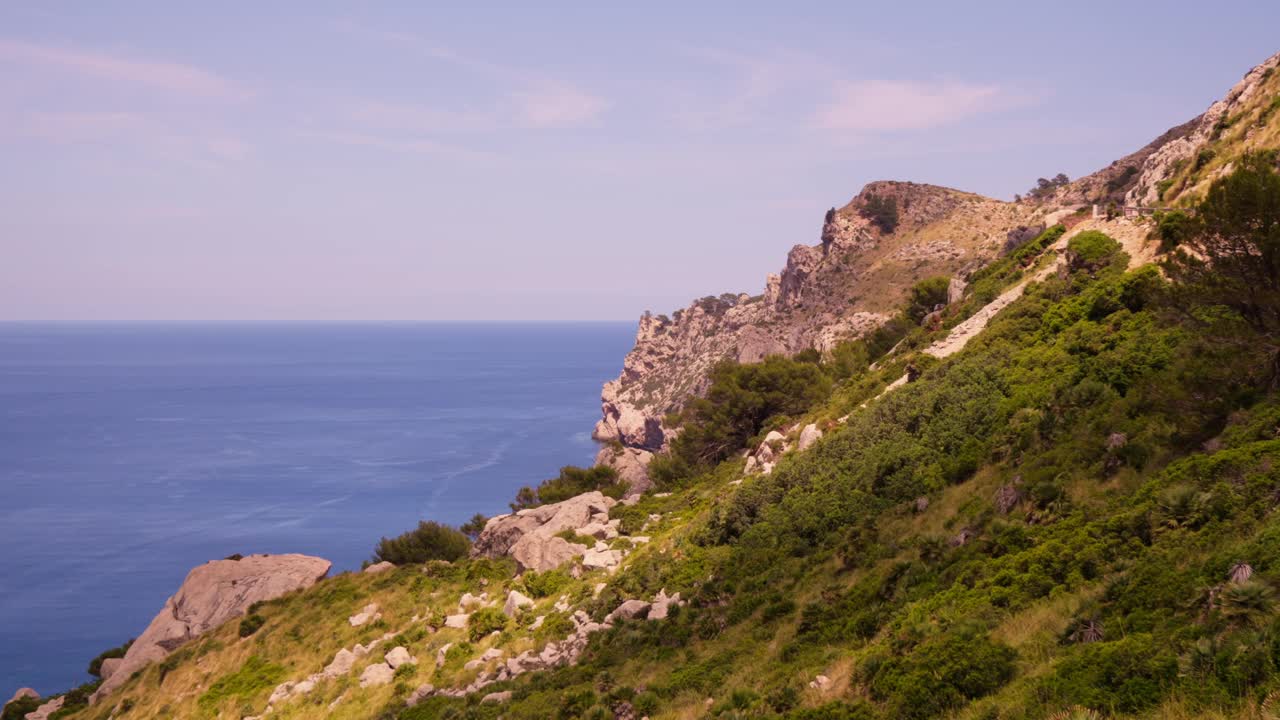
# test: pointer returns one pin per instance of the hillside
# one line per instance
(955, 468)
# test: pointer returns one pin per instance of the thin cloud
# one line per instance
(528, 99)
(156, 74)
(554, 105)
(884, 105)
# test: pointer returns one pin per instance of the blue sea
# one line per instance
(131, 453)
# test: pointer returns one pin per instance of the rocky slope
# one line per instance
(1185, 159)
(1058, 502)
(845, 285)
(838, 289)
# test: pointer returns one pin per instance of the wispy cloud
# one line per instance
(881, 105)
(155, 74)
(522, 98)
(556, 105)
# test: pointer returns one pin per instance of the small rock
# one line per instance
(457, 621)
(366, 615)
(821, 682)
(601, 559)
(515, 601)
(25, 692)
(497, 697)
(537, 622)
(491, 654)
(422, 693)
(380, 567)
(399, 656)
(469, 602)
(376, 674)
(808, 436)
(630, 610)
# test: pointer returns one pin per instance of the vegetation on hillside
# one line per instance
(1077, 513)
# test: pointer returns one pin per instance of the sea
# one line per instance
(132, 453)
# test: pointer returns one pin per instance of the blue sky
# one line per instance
(550, 161)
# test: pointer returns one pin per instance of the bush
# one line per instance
(942, 674)
(485, 621)
(18, 709)
(250, 624)
(571, 481)
(430, 541)
(740, 400)
(1091, 250)
(545, 584)
(1125, 676)
(925, 296)
(882, 212)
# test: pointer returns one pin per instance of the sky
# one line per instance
(417, 161)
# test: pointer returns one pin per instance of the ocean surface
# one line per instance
(131, 453)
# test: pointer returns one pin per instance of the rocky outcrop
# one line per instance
(44, 711)
(1136, 179)
(530, 535)
(846, 285)
(21, 693)
(212, 594)
(631, 464)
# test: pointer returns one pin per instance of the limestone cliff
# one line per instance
(840, 288)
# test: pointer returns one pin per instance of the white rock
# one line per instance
(457, 621)
(368, 614)
(380, 567)
(497, 697)
(398, 656)
(515, 601)
(491, 654)
(601, 559)
(808, 436)
(376, 674)
(440, 654)
(342, 663)
(629, 610)
(537, 622)
(821, 682)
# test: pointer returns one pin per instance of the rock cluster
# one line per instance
(530, 536)
(555, 653)
(212, 594)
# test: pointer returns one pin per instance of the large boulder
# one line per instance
(529, 535)
(212, 594)
(631, 464)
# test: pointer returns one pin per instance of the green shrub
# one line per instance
(18, 709)
(1091, 250)
(942, 674)
(1124, 676)
(250, 624)
(545, 584)
(738, 403)
(571, 481)
(925, 296)
(881, 211)
(257, 675)
(430, 541)
(485, 621)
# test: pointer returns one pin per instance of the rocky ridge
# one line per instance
(841, 288)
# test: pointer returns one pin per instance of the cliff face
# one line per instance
(1185, 159)
(838, 289)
